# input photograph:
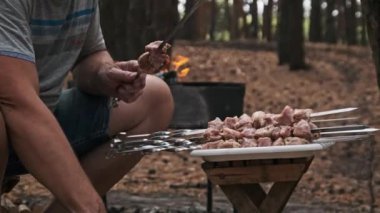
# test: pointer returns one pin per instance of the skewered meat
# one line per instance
(249, 142)
(286, 131)
(295, 141)
(264, 132)
(265, 141)
(281, 132)
(231, 122)
(302, 130)
(276, 133)
(279, 142)
(258, 119)
(244, 121)
(286, 116)
(229, 144)
(212, 134)
(300, 114)
(229, 133)
(211, 145)
(291, 127)
(269, 119)
(217, 123)
(248, 132)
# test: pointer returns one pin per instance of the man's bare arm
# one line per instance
(38, 139)
(86, 73)
(97, 74)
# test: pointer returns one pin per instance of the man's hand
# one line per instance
(154, 58)
(123, 80)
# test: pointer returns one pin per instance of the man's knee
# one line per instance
(161, 96)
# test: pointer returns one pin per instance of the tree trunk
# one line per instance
(341, 25)
(283, 48)
(255, 19)
(163, 18)
(363, 29)
(213, 20)
(371, 11)
(137, 22)
(245, 23)
(128, 25)
(296, 37)
(330, 34)
(227, 17)
(196, 28)
(351, 22)
(188, 31)
(113, 19)
(267, 20)
(236, 15)
(315, 31)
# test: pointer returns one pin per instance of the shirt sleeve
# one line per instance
(94, 40)
(15, 34)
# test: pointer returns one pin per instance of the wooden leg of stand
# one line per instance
(245, 198)
(278, 196)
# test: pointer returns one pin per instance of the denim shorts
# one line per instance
(84, 119)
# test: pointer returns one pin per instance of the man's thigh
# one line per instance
(84, 118)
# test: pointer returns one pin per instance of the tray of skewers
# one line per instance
(292, 133)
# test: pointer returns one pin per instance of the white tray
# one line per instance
(254, 153)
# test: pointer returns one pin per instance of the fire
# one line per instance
(180, 65)
(183, 73)
(179, 61)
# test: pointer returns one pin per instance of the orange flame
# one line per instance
(183, 73)
(178, 62)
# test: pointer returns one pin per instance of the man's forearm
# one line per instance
(86, 73)
(45, 152)
(37, 138)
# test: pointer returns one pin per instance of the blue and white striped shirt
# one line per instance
(53, 34)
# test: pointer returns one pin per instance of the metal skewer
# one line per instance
(335, 120)
(331, 112)
(349, 132)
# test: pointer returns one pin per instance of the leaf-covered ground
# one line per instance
(345, 178)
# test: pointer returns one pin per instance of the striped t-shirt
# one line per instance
(53, 34)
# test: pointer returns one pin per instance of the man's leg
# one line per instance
(151, 112)
(3, 150)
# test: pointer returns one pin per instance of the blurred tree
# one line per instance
(330, 33)
(291, 37)
(296, 36)
(341, 21)
(137, 22)
(113, 17)
(214, 14)
(315, 30)
(245, 20)
(350, 8)
(371, 11)
(267, 20)
(283, 47)
(363, 28)
(237, 15)
(196, 28)
(255, 19)
(128, 25)
(227, 14)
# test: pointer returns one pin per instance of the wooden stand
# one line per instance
(240, 182)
